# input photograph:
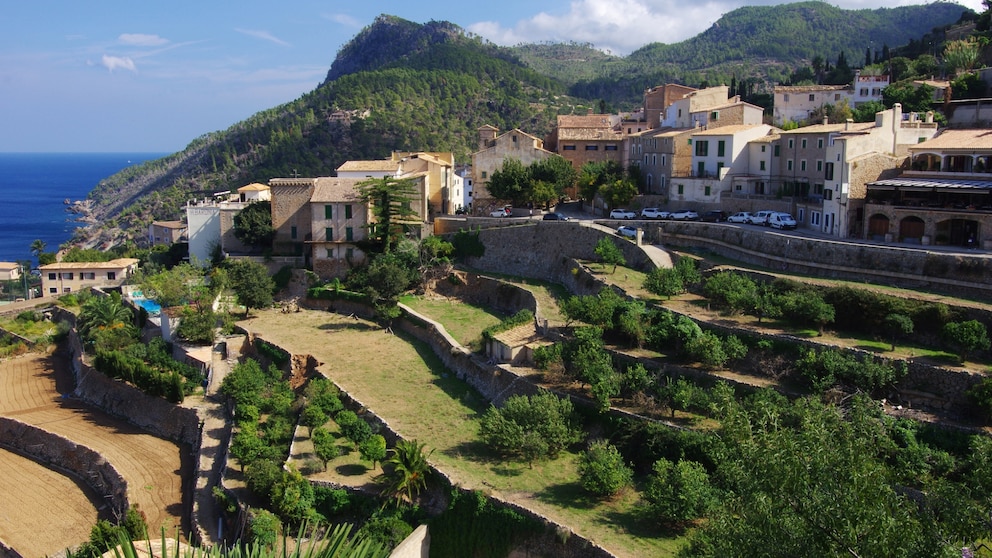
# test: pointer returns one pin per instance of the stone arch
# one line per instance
(958, 232)
(911, 229)
(878, 226)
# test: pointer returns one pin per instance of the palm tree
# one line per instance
(405, 471)
(102, 312)
(38, 246)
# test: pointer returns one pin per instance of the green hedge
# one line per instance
(134, 370)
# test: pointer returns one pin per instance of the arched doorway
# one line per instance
(957, 232)
(878, 227)
(911, 230)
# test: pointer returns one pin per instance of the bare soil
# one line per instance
(32, 388)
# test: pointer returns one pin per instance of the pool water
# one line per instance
(150, 306)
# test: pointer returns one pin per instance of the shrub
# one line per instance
(602, 470)
(552, 419)
(679, 492)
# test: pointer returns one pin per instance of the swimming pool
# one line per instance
(150, 306)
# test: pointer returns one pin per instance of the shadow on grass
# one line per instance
(348, 326)
(944, 359)
(444, 378)
(475, 451)
(567, 495)
(639, 522)
(872, 348)
(351, 470)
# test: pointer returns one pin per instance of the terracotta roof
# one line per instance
(585, 121)
(957, 139)
(831, 128)
(254, 187)
(335, 190)
(380, 165)
(809, 88)
(112, 264)
(727, 130)
(588, 134)
(171, 224)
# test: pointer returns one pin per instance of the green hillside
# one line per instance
(400, 85)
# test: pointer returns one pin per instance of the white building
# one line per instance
(797, 103)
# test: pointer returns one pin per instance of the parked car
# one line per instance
(714, 216)
(760, 218)
(685, 215)
(555, 217)
(740, 217)
(622, 214)
(627, 231)
(461, 211)
(781, 221)
(654, 213)
(500, 213)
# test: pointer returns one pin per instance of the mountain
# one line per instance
(400, 85)
(753, 42)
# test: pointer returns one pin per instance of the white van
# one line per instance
(761, 217)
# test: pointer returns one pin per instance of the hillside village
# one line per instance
(899, 179)
(860, 192)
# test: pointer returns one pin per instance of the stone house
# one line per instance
(494, 148)
(435, 169)
(943, 196)
(710, 108)
(339, 220)
(590, 138)
(69, 277)
(166, 232)
(657, 99)
(10, 271)
(797, 102)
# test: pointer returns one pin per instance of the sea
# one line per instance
(33, 190)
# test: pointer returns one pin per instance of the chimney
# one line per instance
(826, 120)
(847, 125)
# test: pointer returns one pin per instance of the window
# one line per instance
(706, 191)
(67, 276)
(328, 212)
(789, 164)
(484, 174)
(349, 234)
(663, 160)
(819, 165)
(347, 211)
(112, 275)
(702, 148)
(645, 160)
(90, 276)
(776, 150)
(818, 189)
(568, 148)
(804, 143)
(792, 143)
(329, 234)
(786, 97)
(829, 172)
(680, 116)
(610, 148)
(66, 289)
(654, 160)
(763, 148)
(828, 194)
(349, 253)
(812, 97)
(330, 253)
(51, 276)
(592, 148)
(814, 218)
(681, 189)
(836, 96)
(292, 232)
(875, 92)
(761, 165)
(721, 147)
(819, 143)
(864, 91)
(715, 115)
(53, 290)
(802, 165)
(800, 215)
(514, 138)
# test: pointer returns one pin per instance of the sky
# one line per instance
(124, 76)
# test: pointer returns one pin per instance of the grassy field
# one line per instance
(400, 379)
(463, 321)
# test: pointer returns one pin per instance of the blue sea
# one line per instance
(33, 190)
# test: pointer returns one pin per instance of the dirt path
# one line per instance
(32, 386)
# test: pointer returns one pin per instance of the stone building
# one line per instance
(494, 148)
(339, 220)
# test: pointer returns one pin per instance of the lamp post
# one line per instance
(24, 279)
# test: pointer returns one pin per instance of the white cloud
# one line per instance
(141, 39)
(622, 26)
(343, 19)
(118, 62)
(264, 35)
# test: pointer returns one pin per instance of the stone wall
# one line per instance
(61, 453)
(119, 399)
(539, 250)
